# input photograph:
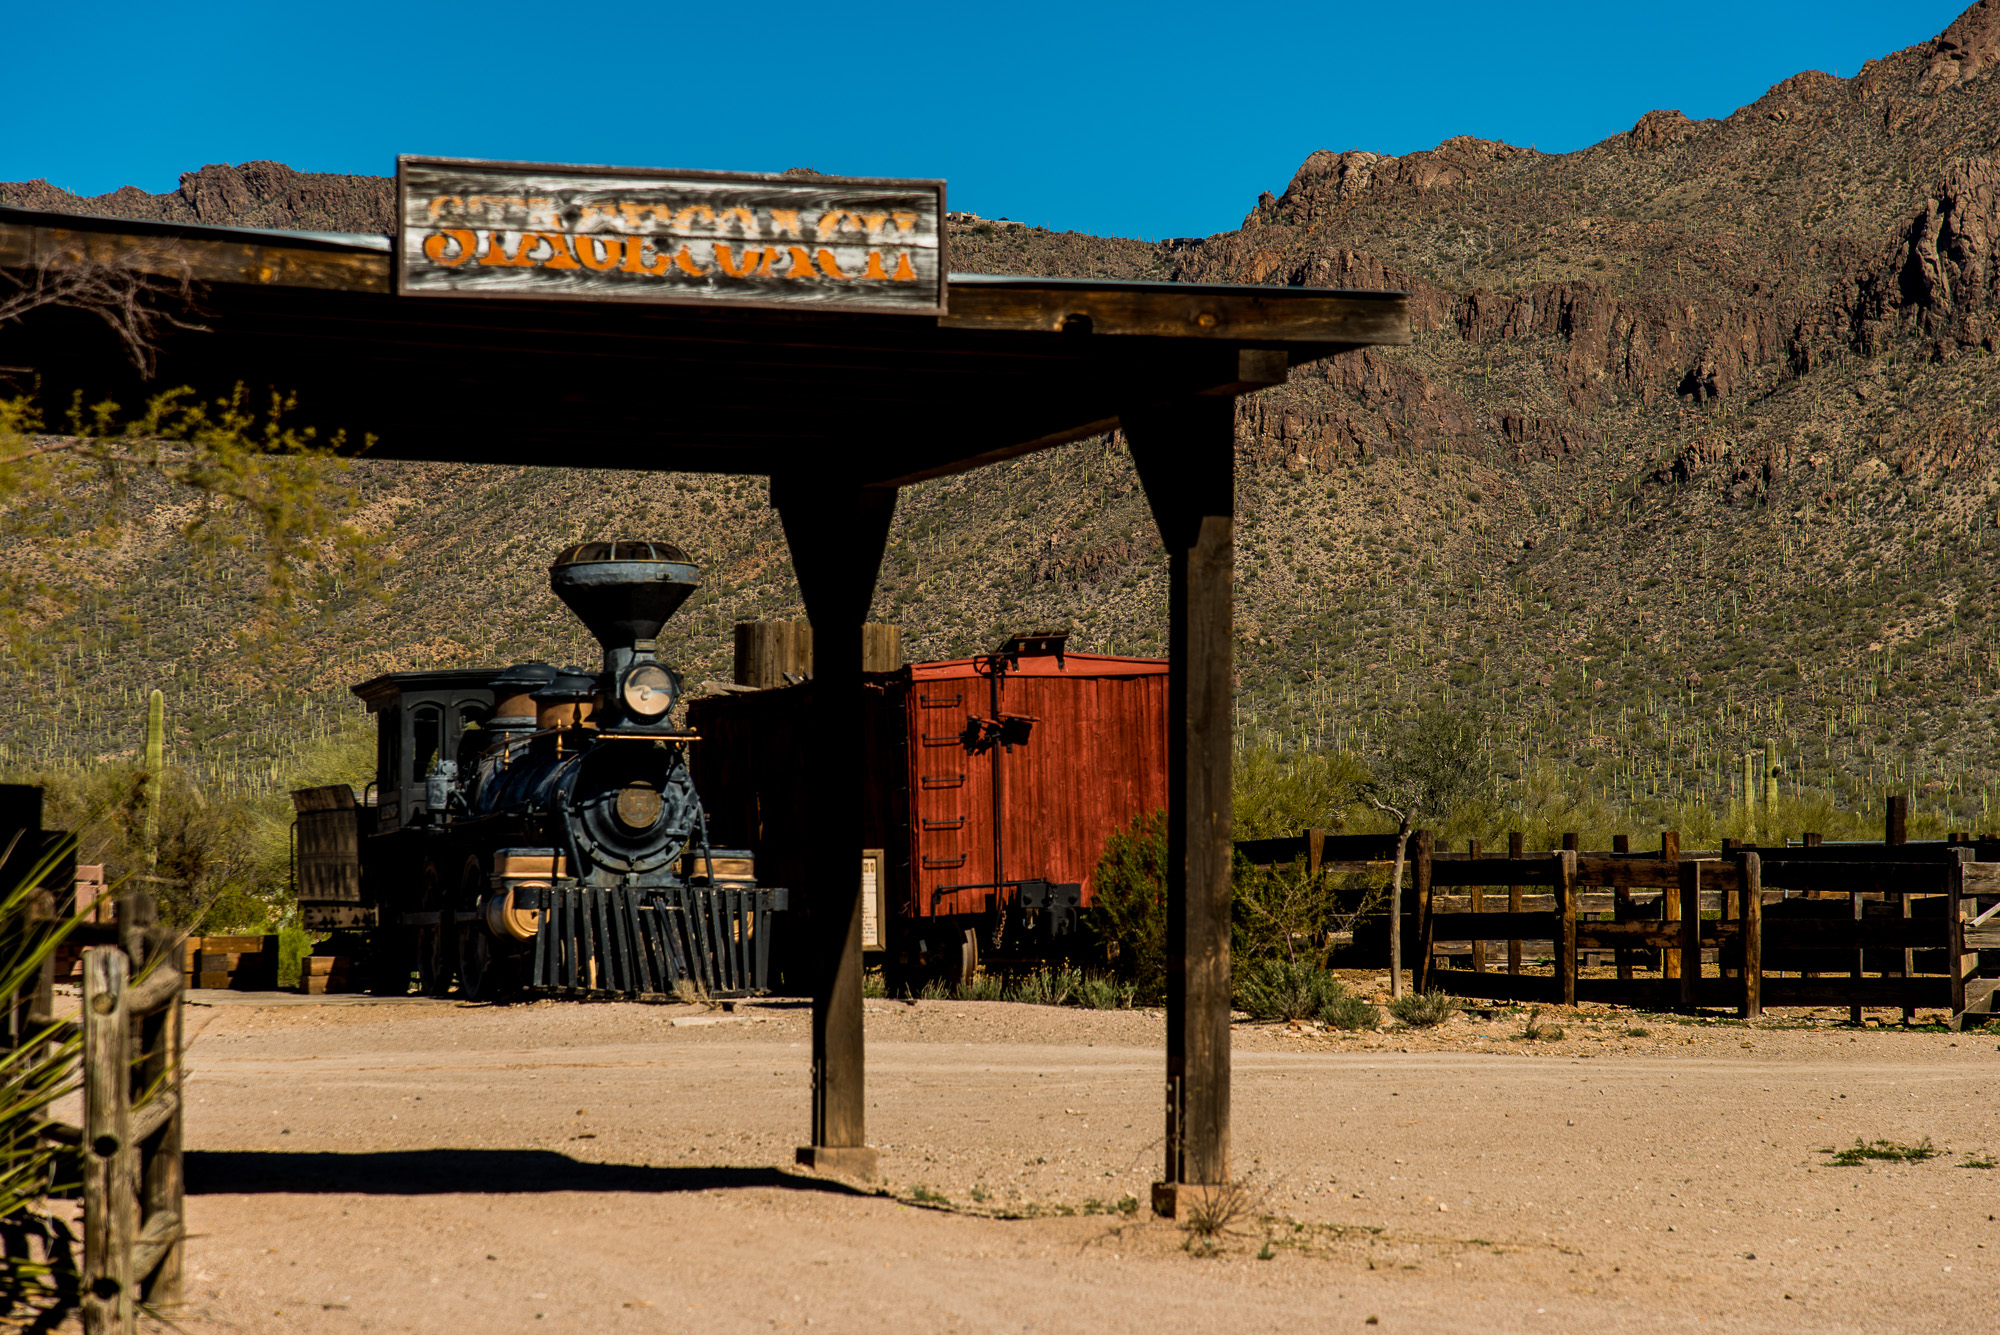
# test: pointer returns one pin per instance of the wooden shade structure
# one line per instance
(839, 409)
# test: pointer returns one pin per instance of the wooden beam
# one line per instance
(1185, 455)
(837, 534)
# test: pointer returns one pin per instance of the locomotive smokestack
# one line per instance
(623, 591)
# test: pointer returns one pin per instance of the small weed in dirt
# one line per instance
(1534, 1031)
(921, 1195)
(1638, 1033)
(1424, 1010)
(872, 984)
(1864, 1151)
(1979, 1163)
(1212, 1212)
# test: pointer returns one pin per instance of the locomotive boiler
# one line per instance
(536, 830)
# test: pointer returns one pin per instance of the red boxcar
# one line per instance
(992, 784)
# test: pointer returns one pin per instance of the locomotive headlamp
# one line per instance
(648, 690)
(638, 806)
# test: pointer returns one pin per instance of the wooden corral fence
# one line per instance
(1892, 924)
(129, 1147)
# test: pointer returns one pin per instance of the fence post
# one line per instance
(1565, 942)
(1896, 820)
(159, 1156)
(1477, 895)
(1516, 849)
(1690, 916)
(110, 1177)
(1957, 961)
(1420, 973)
(1860, 954)
(1750, 876)
(1621, 900)
(1670, 912)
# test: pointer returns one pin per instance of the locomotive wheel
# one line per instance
(437, 943)
(477, 977)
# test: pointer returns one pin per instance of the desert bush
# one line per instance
(1046, 987)
(1098, 992)
(1129, 908)
(1285, 989)
(1424, 1010)
(1349, 1012)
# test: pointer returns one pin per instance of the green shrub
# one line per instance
(1285, 989)
(1046, 987)
(1350, 1012)
(1129, 908)
(983, 987)
(1098, 992)
(1424, 1010)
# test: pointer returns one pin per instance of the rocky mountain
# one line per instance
(1697, 444)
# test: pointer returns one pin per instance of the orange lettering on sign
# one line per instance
(595, 250)
(905, 220)
(634, 264)
(687, 264)
(829, 222)
(560, 256)
(439, 203)
(785, 222)
(683, 218)
(756, 260)
(828, 267)
(496, 251)
(904, 273)
(466, 241)
(871, 223)
(802, 263)
(875, 269)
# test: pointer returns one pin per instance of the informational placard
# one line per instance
(871, 900)
(531, 230)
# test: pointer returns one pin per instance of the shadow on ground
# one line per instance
(447, 1172)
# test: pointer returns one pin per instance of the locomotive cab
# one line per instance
(427, 725)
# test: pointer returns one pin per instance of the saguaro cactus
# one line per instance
(156, 747)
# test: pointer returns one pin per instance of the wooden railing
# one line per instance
(129, 1146)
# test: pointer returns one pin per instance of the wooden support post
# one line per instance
(1565, 942)
(108, 1291)
(837, 534)
(1477, 894)
(1517, 846)
(1811, 840)
(1185, 455)
(1420, 878)
(1670, 912)
(1896, 820)
(1572, 842)
(1690, 916)
(1750, 875)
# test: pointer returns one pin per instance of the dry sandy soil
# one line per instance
(428, 1166)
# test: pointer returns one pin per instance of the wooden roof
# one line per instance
(1017, 364)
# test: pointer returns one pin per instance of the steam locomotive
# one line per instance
(536, 830)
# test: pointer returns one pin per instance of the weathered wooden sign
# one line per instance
(509, 229)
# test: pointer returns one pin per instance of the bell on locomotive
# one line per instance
(550, 839)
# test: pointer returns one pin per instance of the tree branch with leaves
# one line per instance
(1431, 766)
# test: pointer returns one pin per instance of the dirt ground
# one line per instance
(428, 1166)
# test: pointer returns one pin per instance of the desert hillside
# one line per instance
(1696, 446)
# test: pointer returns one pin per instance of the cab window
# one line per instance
(427, 738)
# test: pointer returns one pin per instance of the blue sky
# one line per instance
(1160, 119)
